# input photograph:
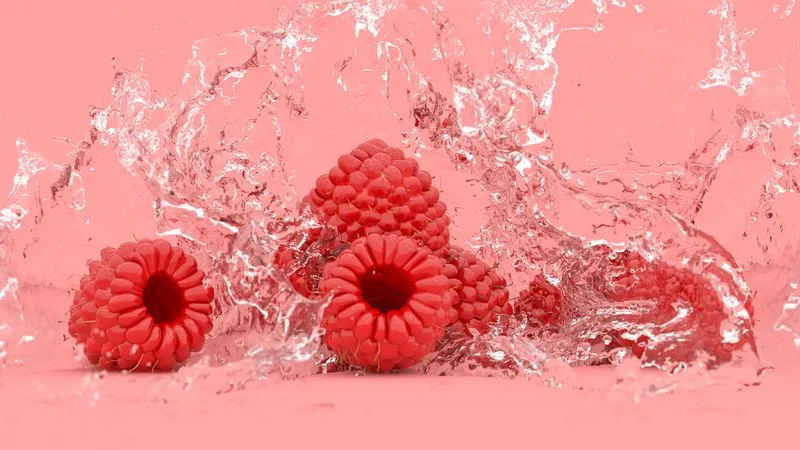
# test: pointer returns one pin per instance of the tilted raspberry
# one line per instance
(479, 291)
(143, 306)
(303, 256)
(639, 279)
(390, 304)
(376, 189)
(541, 303)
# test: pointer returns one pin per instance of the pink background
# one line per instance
(632, 86)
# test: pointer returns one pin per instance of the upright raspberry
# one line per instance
(479, 291)
(375, 189)
(390, 304)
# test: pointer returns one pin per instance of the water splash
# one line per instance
(790, 316)
(224, 183)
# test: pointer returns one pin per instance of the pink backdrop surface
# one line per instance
(632, 88)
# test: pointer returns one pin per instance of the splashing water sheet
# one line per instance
(630, 168)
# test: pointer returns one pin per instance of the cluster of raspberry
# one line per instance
(384, 255)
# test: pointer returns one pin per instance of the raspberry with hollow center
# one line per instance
(390, 304)
(375, 189)
(540, 302)
(479, 291)
(143, 306)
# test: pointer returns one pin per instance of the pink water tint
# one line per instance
(633, 102)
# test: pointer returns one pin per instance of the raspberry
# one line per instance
(390, 304)
(479, 291)
(541, 302)
(302, 257)
(639, 279)
(143, 306)
(376, 189)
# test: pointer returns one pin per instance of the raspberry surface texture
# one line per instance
(141, 307)
(375, 189)
(391, 303)
(541, 303)
(634, 278)
(479, 291)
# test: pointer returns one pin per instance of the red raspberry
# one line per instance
(639, 279)
(303, 256)
(143, 306)
(390, 304)
(541, 302)
(479, 291)
(376, 189)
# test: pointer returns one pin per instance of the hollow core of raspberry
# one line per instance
(162, 298)
(386, 288)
